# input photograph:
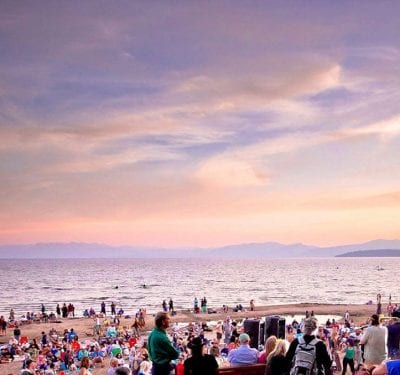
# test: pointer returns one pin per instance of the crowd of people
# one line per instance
(306, 347)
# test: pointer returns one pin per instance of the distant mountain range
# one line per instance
(372, 253)
(376, 248)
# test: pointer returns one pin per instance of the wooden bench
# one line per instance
(258, 369)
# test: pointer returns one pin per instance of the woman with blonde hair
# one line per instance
(269, 347)
(276, 364)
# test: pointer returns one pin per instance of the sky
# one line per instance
(199, 123)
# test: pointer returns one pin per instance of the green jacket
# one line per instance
(160, 348)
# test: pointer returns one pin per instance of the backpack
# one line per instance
(304, 360)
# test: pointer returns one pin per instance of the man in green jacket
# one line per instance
(160, 348)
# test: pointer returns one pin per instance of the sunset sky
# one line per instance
(199, 123)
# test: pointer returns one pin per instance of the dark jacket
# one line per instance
(323, 359)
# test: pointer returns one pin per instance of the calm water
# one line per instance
(25, 284)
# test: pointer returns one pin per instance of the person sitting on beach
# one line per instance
(84, 366)
(270, 344)
(111, 331)
(113, 366)
(243, 355)
(218, 331)
(71, 335)
(199, 363)
(335, 325)
(121, 361)
(96, 355)
(30, 367)
(233, 343)
(145, 365)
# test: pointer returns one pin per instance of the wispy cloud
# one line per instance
(132, 119)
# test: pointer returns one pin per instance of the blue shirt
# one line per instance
(393, 367)
(243, 355)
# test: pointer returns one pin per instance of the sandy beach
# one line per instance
(84, 326)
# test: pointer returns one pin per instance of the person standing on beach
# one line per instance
(378, 304)
(204, 305)
(322, 358)
(349, 355)
(160, 348)
(17, 332)
(64, 310)
(374, 340)
(3, 325)
(227, 328)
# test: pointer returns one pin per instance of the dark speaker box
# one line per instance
(275, 326)
(252, 328)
